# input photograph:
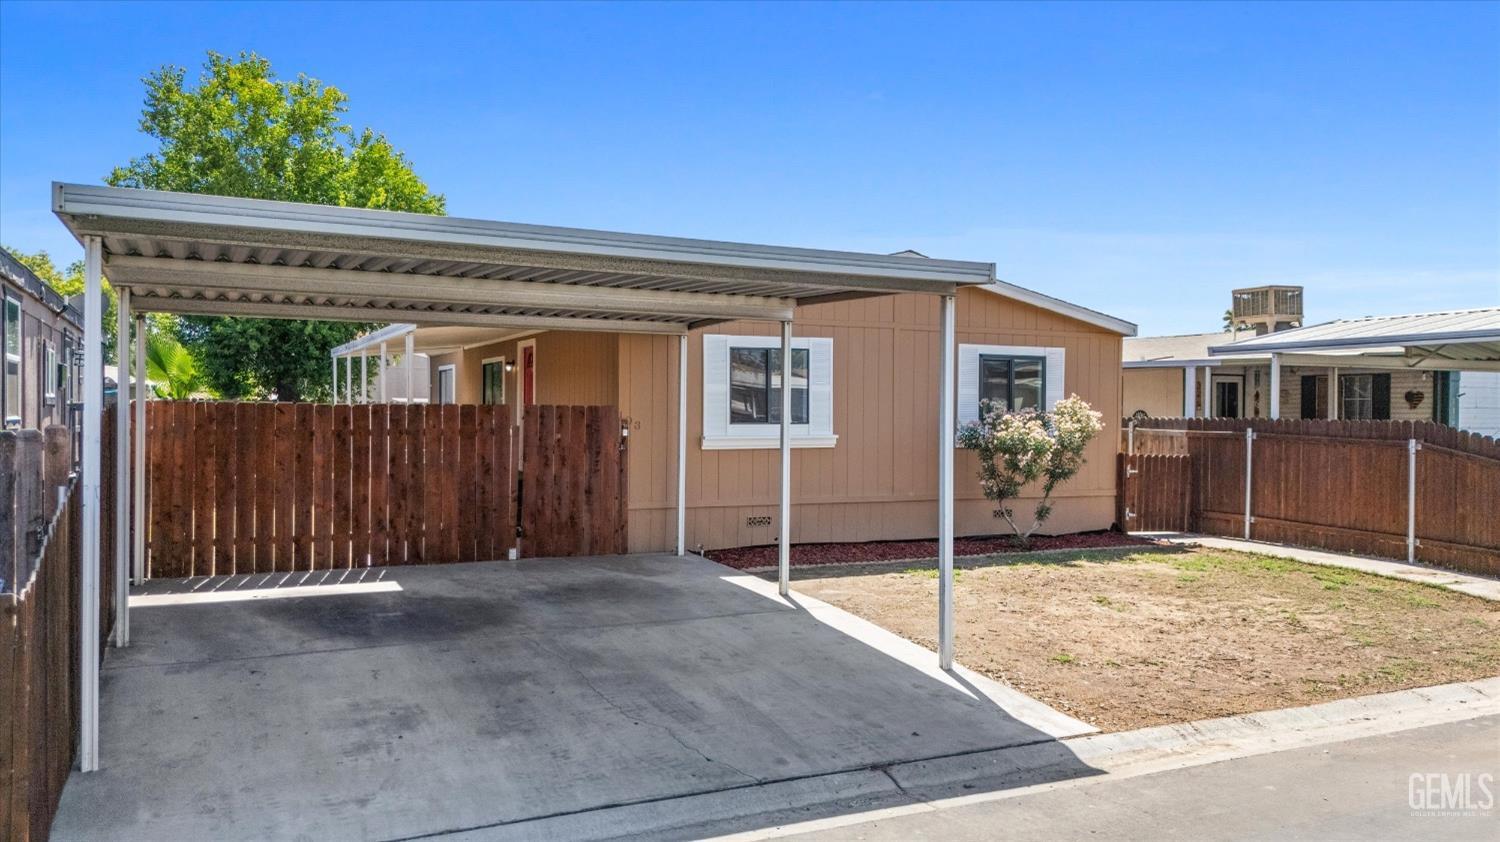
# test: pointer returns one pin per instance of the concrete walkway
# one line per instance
(1480, 586)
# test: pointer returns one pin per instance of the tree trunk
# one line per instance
(286, 390)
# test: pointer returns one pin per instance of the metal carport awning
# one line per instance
(213, 255)
(187, 253)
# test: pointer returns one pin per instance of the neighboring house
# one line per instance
(864, 422)
(38, 333)
(1386, 367)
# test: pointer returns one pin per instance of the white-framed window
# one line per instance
(10, 380)
(742, 392)
(49, 376)
(1017, 376)
(446, 391)
(492, 381)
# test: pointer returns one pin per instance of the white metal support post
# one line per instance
(1333, 394)
(88, 576)
(1189, 391)
(411, 343)
(364, 378)
(1412, 446)
(1249, 458)
(385, 395)
(334, 384)
(682, 375)
(138, 473)
(784, 550)
(1208, 391)
(349, 380)
(1275, 386)
(121, 596)
(945, 484)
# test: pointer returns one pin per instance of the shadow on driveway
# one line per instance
(578, 697)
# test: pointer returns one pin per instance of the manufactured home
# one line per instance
(38, 332)
(1417, 367)
(864, 408)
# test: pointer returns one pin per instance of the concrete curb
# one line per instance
(1423, 574)
(856, 797)
(924, 559)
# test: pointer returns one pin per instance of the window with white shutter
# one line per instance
(1008, 374)
(742, 392)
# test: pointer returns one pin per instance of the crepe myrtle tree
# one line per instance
(1017, 449)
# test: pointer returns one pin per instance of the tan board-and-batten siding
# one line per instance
(880, 481)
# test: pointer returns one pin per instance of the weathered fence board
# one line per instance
(246, 488)
(1340, 485)
(40, 626)
(574, 496)
(1156, 492)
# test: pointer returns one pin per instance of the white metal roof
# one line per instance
(189, 253)
(1456, 335)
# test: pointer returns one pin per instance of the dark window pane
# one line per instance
(799, 385)
(994, 380)
(1026, 391)
(749, 392)
(755, 385)
(494, 387)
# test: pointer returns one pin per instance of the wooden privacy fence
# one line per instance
(574, 486)
(1415, 490)
(40, 624)
(1155, 492)
(235, 488)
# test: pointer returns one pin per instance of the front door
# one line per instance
(528, 375)
(1226, 398)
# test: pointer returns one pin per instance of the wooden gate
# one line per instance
(1155, 493)
(236, 488)
(573, 481)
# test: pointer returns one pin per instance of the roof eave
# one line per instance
(1061, 307)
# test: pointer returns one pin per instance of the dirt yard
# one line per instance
(1125, 639)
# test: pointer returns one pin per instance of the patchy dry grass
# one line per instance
(1126, 639)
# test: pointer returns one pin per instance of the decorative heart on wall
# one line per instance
(1413, 398)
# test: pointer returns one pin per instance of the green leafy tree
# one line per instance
(241, 131)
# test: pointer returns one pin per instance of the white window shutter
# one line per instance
(968, 383)
(1056, 362)
(715, 385)
(820, 389)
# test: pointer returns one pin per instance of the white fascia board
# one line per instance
(1425, 340)
(372, 340)
(330, 312)
(1173, 363)
(76, 204)
(128, 270)
(1057, 305)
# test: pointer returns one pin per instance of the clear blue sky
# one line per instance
(1141, 160)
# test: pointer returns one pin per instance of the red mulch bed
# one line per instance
(742, 558)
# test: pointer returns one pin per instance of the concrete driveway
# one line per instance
(418, 701)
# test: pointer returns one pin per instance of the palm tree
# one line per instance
(171, 368)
